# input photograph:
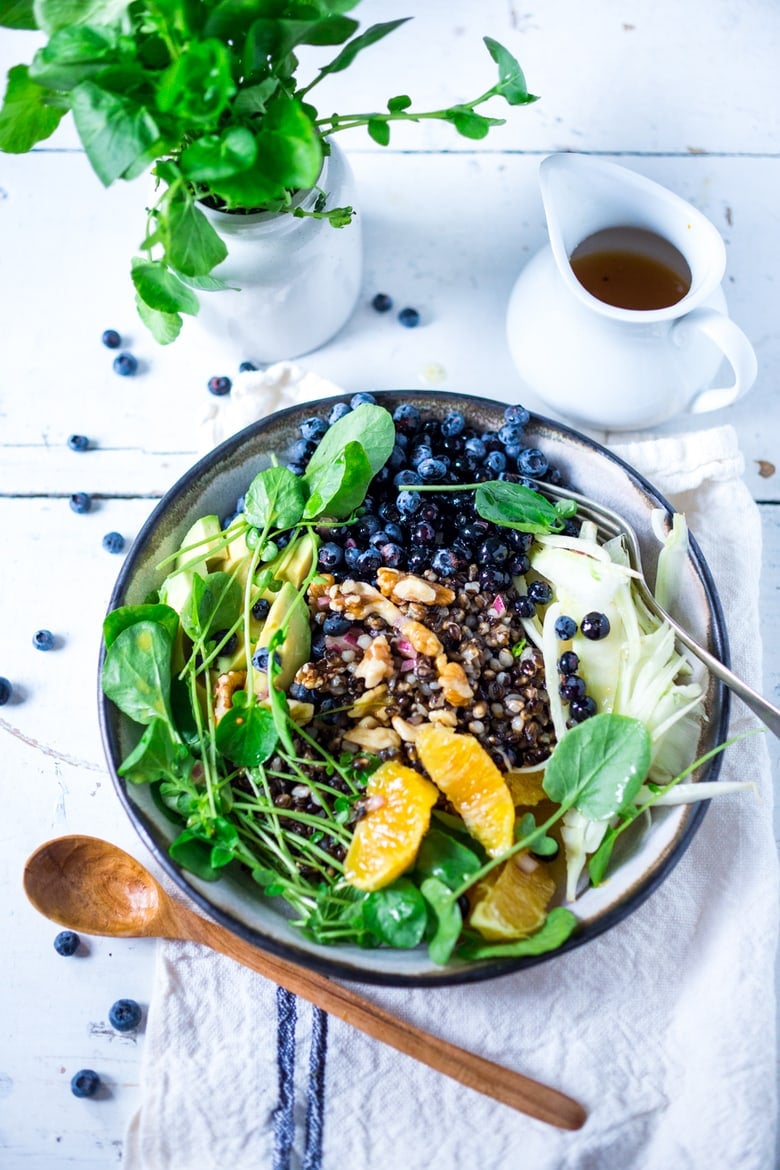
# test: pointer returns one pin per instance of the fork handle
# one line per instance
(766, 712)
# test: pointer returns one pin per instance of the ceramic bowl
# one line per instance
(212, 486)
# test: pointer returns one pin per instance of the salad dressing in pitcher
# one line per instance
(631, 268)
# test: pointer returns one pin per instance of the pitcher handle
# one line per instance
(734, 346)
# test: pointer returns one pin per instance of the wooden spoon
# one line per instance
(92, 886)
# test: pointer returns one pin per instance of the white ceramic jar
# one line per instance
(298, 278)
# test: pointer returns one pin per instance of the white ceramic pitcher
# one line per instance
(623, 368)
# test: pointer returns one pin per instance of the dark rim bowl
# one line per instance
(212, 486)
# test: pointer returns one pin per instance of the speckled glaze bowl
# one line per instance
(212, 486)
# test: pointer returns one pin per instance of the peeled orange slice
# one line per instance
(526, 787)
(465, 773)
(515, 903)
(385, 843)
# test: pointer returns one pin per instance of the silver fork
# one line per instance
(611, 524)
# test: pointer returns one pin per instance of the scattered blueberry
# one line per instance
(111, 339)
(80, 502)
(219, 385)
(337, 411)
(409, 318)
(568, 663)
(540, 592)
(330, 556)
(124, 1015)
(261, 609)
(565, 627)
(125, 365)
(66, 942)
(43, 640)
(84, 1083)
(6, 690)
(595, 626)
(313, 429)
(113, 542)
(362, 399)
(382, 303)
(246, 367)
(78, 442)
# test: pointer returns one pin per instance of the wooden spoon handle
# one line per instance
(501, 1084)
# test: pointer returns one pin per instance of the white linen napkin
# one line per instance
(664, 1028)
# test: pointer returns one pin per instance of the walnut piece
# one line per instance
(373, 739)
(376, 664)
(454, 684)
(227, 684)
(400, 586)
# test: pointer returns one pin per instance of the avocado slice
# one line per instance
(288, 610)
(206, 529)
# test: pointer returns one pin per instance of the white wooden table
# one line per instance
(684, 93)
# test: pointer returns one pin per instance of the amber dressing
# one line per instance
(631, 268)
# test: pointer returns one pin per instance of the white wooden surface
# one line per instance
(685, 93)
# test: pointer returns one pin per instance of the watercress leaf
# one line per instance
(136, 672)
(205, 283)
(254, 99)
(218, 156)
(158, 755)
(232, 18)
(516, 506)
(275, 499)
(191, 852)
(471, 124)
(194, 247)
(17, 14)
(331, 30)
(556, 930)
(72, 55)
(599, 765)
(396, 105)
(161, 289)
(370, 425)
(114, 130)
(447, 920)
(197, 86)
(337, 488)
(443, 857)
(397, 914)
(164, 327)
(379, 130)
(350, 51)
(214, 604)
(511, 81)
(53, 15)
(25, 118)
(127, 615)
(599, 861)
(247, 735)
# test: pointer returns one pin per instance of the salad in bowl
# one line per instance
(379, 703)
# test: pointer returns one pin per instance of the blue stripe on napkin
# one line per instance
(315, 1100)
(284, 1124)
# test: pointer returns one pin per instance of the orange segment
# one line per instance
(386, 840)
(515, 903)
(526, 787)
(467, 776)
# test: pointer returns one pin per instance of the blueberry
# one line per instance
(351, 554)
(518, 564)
(524, 606)
(516, 414)
(260, 659)
(369, 561)
(111, 339)
(522, 541)
(406, 418)
(6, 690)
(392, 554)
(362, 399)
(531, 461)
(260, 609)
(418, 561)
(510, 434)
(125, 365)
(572, 687)
(408, 503)
(568, 663)
(330, 556)
(409, 318)
(80, 502)
(406, 476)
(301, 693)
(124, 1015)
(424, 533)
(419, 453)
(366, 527)
(445, 562)
(432, 470)
(395, 532)
(78, 442)
(540, 592)
(247, 367)
(219, 385)
(84, 1083)
(66, 942)
(495, 461)
(337, 411)
(582, 709)
(336, 624)
(452, 424)
(231, 645)
(295, 467)
(113, 542)
(301, 450)
(382, 303)
(565, 627)
(429, 511)
(313, 428)
(43, 640)
(492, 551)
(475, 447)
(318, 645)
(595, 626)
(493, 579)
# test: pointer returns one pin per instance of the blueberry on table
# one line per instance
(409, 318)
(66, 942)
(565, 627)
(111, 339)
(246, 367)
(80, 502)
(43, 640)
(78, 442)
(124, 1015)
(113, 542)
(382, 303)
(125, 364)
(219, 385)
(595, 626)
(6, 690)
(84, 1083)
